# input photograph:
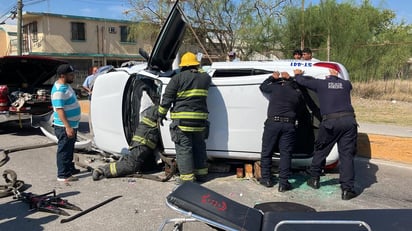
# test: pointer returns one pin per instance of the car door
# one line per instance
(119, 97)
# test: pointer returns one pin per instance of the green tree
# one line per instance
(248, 26)
(363, 38)
(360, 36)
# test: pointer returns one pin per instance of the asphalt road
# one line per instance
(385, 129)
(382, 185)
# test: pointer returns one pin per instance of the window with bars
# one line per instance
(30, 29)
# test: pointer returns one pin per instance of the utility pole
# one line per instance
(328, 46)
(302, 26)
(19, 26)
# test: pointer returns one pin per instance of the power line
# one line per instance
(10, 8)
(13, 8)
(32, 2)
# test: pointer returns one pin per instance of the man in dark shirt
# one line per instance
(338, 126)
(285, 102)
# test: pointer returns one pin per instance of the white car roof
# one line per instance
(317, 69)
(267, 65)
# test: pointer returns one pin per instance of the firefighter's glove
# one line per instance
(160, 119)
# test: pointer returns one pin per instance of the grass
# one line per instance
(383, 102)
(383, 111)
(399, 90)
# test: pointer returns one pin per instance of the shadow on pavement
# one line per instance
(14, 128)
(365, 173)
(15, 216)
(364, 146)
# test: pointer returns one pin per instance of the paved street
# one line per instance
(142, 205)
(384, 129)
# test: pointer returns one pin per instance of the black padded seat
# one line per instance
(221, 212)
(283, 207)
(206, 203)
(377, 219)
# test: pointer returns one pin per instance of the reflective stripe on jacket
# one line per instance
(185, 96)
(147, 132)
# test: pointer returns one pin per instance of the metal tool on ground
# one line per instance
(47, 202)
(4, 153)
(89, 210)
(12, 184)
(170, 164)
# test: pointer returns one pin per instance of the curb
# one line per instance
(372, 146)
(391, 148)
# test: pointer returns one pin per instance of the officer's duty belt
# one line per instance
(282, 119)
(337, 115)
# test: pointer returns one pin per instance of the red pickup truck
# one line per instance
(25, 86)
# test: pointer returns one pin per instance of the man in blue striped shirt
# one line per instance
(66, 121)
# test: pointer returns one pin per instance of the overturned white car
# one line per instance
(236, 105)
(237, 108)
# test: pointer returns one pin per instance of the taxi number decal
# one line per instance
(299, 64)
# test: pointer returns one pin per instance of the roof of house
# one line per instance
(9, 28)
(28, 14)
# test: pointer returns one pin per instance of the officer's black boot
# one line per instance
(348, 194)
(268, 183)
(314, 182)
(283, 187)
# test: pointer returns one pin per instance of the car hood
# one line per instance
(169, 40)
(30, 71)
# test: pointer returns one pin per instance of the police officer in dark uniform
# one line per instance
(338, 126)
(285, 102)
(186, 95)
(144, 142)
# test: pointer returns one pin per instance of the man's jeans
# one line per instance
(65, 149)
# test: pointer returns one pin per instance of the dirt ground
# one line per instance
(391, 148)
(384, 112)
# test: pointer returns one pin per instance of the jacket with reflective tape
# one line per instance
(147, 132)
(185, 96)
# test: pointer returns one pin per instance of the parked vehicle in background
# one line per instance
(23, 88)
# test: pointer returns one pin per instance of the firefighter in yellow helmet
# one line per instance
(185, 96)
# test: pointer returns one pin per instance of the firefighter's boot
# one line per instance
(98, 174)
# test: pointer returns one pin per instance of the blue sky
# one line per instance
(402, 8)
(114, 9)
